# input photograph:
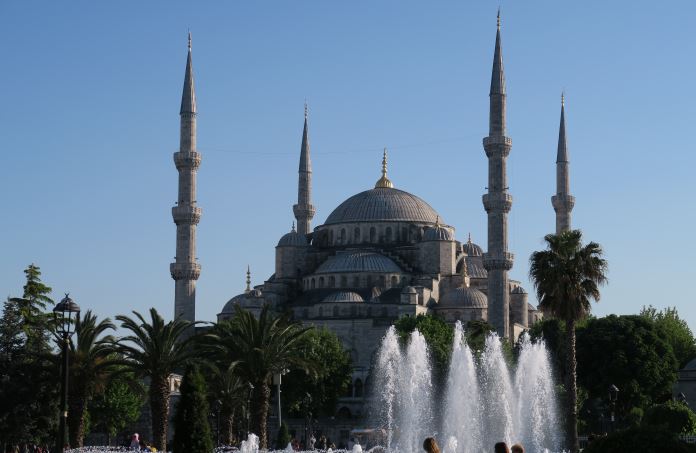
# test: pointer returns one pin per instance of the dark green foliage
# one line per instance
(672, 416)
(640, 440)
(118, 406)
(553, 332)
(191, 427)
(675, 330)
(438, 334)
(283, 437)
(476, 333)
(628, 352)
(29, 390)
(332, 376)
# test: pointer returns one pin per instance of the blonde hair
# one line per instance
(517, 448)
(430, 445)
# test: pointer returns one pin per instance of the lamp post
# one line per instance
(65, 313)
(248, 414)
(613, 396)
(308, 420)
(218, 408)
(278, 380)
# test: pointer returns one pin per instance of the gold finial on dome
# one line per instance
(248, 280)
(384, 182)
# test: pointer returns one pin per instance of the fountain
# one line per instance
(482, 402)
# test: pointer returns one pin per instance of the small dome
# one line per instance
(409, 290)
(438, 233)
(343, 296)
(292, 239)
(236, 300)
(519, 290)
(472, 249)
(463, 297)
(358, 261)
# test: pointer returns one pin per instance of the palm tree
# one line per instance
(260, 348)
(91, 357)
(228, 388)
(154, 350)
(566, 277)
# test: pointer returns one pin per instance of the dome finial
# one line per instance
(248, 280)
(189, 40)
(437, 221)
(469, 240)
(306, 109)
(384, 182)
(292, 230)
(466, 281)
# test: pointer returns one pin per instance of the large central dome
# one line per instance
(383, 204)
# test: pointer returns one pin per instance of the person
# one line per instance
(430, 445)
(312, 441)
(323, 444)
(135, 442)
(517, 448)
(501, 447)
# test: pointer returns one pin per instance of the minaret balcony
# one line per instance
(304, 211)
(498, 261)
(187, 159)
(563, 202)
(185, 271)
(497, 202)
(497, 145)
(186, 215)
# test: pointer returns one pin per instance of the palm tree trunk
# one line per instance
(227, 426)
(262, 396)
(159, 409)
(76, 419)
(571, 388)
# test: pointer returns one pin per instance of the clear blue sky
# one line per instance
(91, 93)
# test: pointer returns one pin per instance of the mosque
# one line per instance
(381, 254)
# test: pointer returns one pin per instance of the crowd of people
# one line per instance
(430, 446)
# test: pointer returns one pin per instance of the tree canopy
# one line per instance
(675, 330)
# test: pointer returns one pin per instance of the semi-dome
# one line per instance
(383, 204)
(358, 261)
(343, 296)
(438, 233)
(292, 239)
(409, 290)
(519, 290)
(463, 297)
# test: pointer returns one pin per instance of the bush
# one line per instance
(191, 426)
(283, 438)
(644, 439)
(672, 416)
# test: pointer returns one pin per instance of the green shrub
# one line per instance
(283, 437)
(191, 425)
(643, 439)
(672, 416)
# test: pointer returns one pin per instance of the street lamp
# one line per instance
(308, 420)
(65, 314)
(613, 396)
(278, 380)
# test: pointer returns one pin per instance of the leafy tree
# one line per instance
(673, 416)
(625, 351)
(640, 440)
(118, 405)
(155, 350)
(28, 388)
(567, 276)
(260, 347)
(675, 330)
(191, 426)
(476, 333)
(90, 364)
(332, 376)
(438, 334)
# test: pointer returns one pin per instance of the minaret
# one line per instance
(185, 270)
(497, 202)
(304, 210)
(563, 201)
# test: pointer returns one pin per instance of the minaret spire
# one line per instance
(304, 210)
(563, 202)
(248, 280)
(185, 269)
(497, 202)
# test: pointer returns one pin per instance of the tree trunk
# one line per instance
(159, 411)
(262, 396)
(571, 388)
(227, 426)
(76, 420)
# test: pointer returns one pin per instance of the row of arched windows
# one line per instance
(351, 309)
(364, 235)
(353, 281)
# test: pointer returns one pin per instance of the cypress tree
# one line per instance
(191, 427)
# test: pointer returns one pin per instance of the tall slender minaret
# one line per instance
(563, 201)
(497, 202)
(185, 270)
(304, 209)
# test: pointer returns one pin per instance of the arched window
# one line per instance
(404, 234)
(369, 281)
(331, 241)
(382, 281)
(389, 234)
(344, 281)
(332, 281)
(321, 282)
(305, 313)
(358, 388)
(335, 311)
(344, 413)
(343, 236)
(356, 281)
(394, 281)
(384, 312)
(356, 234)
(373, 235)
(314, 283)
(321, 312)
(353, 310)
(369, 312)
